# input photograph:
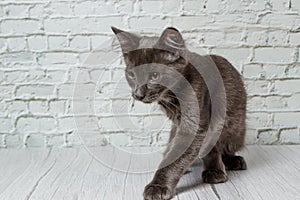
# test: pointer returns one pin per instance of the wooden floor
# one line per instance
(72, 173)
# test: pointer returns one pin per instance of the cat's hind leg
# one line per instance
(214, 168)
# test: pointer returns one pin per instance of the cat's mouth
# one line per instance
(150, 99)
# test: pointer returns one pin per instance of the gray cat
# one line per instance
(161, 69)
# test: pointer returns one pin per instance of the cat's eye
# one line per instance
(130, 75)
(154, 76)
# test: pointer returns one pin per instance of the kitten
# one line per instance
(161, 69)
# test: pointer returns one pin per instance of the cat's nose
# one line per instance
(138, 94)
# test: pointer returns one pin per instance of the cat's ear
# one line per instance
(171, 40)
(128, 41)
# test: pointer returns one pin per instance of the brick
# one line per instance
(58, 42)
(275, 102)
(57, 107)
(17, 10)
(152, 6)
(78, 75)
(37, 43)
(3, 44)
(35, 125)
(290, 136)
(273, 55)
(6, 91)
(17, 108)
(16, 44)
(35, 91)
(257, 87)
(87, 25)
(35, 140)
(94, 8)
(286, 119)
(98, 41)
(287, 86)
(253, 71)
(79, 43)
(294, 101)
(278, 20)
(274, 71)
(38, 107)
(6, 125)
(149, 23)
(198, 22)
(267, 136)
(294, 39)
(37, 11)
(57, 58)
(20, 57)
(256, 120)
(66, 124)
(235, 56)
(125, 6)
(15, 27)
(60, 8)
(256, 103)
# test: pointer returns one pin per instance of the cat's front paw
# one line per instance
(157, 192)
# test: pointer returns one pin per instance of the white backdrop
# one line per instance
(44, 45)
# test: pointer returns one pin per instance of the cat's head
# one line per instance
(153, 64)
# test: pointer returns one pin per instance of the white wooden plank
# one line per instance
(70, 173)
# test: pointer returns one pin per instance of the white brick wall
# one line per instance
(44, 45)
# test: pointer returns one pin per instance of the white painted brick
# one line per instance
(94, 8)
(98, 41)
(125, 6)
(12, 27)
(6, 125)
(279, 20)
(17, 10)
(293, 70)
(287, 119)
(20, 57)
(37, 43)
(78, 75)
(66, 124)
(273, 55)
(35, 91)
(171, 6)
(57, 42)
(235, 56)
(183, 23)
(16, 44)
(78, 43)
(100, 75)
(294, 101)
(193, 7)
(3, 44)
(253, 71)
(256, 86)
(256, 120)
(38, 107)
(57, 58)
(295, 4)
(294, 39)
(257, 38)
(256, 103)
(152, 6)
(149, 23)
(274, 71)
(6, 91)
(17, 108)
(275, 102)
(35, 140)
(287, 86)
(57, 107)
(267, 136)
(36, 125)
(79, 25)
(60, 8)
(37, 11)
(1, 75)
(101, 107)
(54, 76)
(290, 136)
